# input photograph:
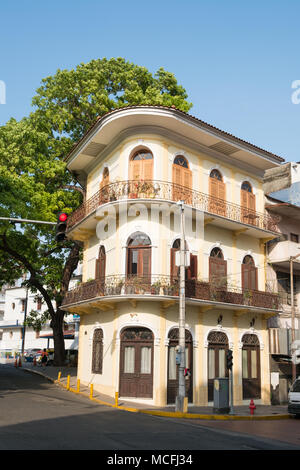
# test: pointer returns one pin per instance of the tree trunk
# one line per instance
(58, 337)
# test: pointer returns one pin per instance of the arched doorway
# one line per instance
(251, 367)
(141, 165)
(249, 274)
(248, 203)
(172, 384)
(182, 180)
(101, 266)
(136, 363)
(217, 192)
(216, 359)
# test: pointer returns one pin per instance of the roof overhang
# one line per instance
(110, 129)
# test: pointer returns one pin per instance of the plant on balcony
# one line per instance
(247, 295)
(155, 287)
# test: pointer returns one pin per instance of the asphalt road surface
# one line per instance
(38, 415)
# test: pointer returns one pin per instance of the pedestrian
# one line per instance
(44, 358)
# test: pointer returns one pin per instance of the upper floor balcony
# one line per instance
(104, 292)
(281, 252)
(216, 211)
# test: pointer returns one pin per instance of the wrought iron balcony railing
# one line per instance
(159, 285)
(150, 189)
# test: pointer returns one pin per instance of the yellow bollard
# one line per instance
(59, 376)
(78, 385)
(68, 382)
(91, 391)
(116, 398)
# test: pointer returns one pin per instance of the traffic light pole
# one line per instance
(11, 219)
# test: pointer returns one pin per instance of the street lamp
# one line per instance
(180, 399)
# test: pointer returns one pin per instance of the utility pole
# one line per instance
(21, 221)
(180, 399)
(24, 325)
(293, 313)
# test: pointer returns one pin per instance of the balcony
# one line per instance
(160, 287)
(226, 214)
(280, 253)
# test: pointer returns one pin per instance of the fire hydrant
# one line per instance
(252, 407)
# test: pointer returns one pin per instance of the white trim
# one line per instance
(175, 325)
(218, 329)
(251, 331)
(137, 324)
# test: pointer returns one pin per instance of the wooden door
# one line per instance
(100, 267)
(172, 382)
(216, 360)
(251, 367)
(104, 190)
(249, 277)
(217, 273)
(136, 363)
(182, 180)
(248, 204)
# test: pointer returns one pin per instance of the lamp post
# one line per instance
(180, 399)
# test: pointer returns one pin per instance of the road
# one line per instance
(36, 414)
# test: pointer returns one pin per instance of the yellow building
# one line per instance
(135, 164)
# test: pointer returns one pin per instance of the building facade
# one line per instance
(135, 164)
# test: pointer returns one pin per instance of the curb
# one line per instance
(166, 414)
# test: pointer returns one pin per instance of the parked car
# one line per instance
(294, 398)
(30, 354)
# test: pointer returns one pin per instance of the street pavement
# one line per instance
(35, 414)
(51, 372)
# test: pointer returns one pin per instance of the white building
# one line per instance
(12, 315)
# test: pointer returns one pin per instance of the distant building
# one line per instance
(13, 301)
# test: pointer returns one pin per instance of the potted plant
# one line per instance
(155, 288)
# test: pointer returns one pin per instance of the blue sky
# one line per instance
(236, 59)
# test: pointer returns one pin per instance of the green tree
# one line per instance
(34, 182)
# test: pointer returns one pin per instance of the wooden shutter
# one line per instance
(135, 169)
(249, 277)
(147, 169)
(218, 271)
(174, 271)
(187, 178)
(176, 181)
(144, 268)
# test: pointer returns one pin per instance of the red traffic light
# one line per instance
(62, 217)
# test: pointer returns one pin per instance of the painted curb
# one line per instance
(166, 414)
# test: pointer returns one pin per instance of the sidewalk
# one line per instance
(262, 412)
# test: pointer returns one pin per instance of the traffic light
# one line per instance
(61, 226)
(229, 360)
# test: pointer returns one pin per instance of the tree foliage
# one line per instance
(34, 181)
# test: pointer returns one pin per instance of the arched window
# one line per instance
(139, 255)
(191, 271)
(97, 355)
(141, 165)
(217, 269)
(251, 367)
(216, 174)
(216, 360)
(217, 191)
(249, 273)
(217, 253)
(182, 180)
